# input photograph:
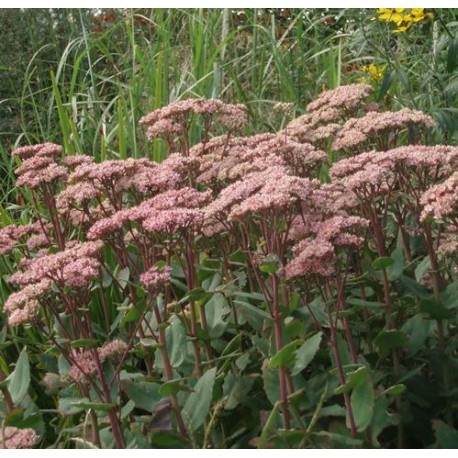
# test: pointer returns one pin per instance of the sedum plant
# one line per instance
(289, 289)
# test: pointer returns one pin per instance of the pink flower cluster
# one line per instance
(316, 255)
(22, 306)
(440, 201)
(175, 117)
(166, 212)
(17, 438)
(374, 173)
(324, 113)
(357, 132)
(10, 236)
(41, 150)
(74, 267)
(153, 278)
(240, 156)
(344, 98)
(85, 360)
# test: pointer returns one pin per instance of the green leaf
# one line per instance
(168, 439)
(452, 55)
(254, 315)
(417, 329)
(145, 394)
(67, 406)
(236, 389)
(233, 345)
(268, 426)
(403, 78)
(381, 418)
(362, 303)
(446, 436)
(395, 270)
(387, 81)
(354, 379)
(194, 295)
(176, 341)
(362, 403)
(449, 298)
(173, 386)
(394, 390)
(198, 403)
(123, 277)
(83, 343)
(389, 340)
(286, 355)
(327, 439)
(434, 310)
(269, 267)
(215, 309)
(271, 385)
(422, 268)
(417, 289)
(306, 353)
(99, 406)
(19, 379)
(382, 263)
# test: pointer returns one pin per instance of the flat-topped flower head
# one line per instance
(155, 277)
(441, 200)
(77, 159)
(174, 119)
(12, 234)
(159, 210)
(17, 438)
(22, 306)
(342, 98)
(75, 266)
(43, 175)
(357, 132)
(42, 149)
(113, 177)
(114, 350)
(311, 257)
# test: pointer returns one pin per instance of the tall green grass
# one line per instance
(92, 97)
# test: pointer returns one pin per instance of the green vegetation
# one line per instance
(267, 259)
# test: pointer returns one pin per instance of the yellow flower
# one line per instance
(375, 72)
(402, 17)
(418, 14)
(403, 28)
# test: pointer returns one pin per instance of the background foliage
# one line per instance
(84, 78)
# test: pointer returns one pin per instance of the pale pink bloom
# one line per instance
(42, 149)
(178, 113)
(22, 306)
(34, 178)
(77, 159)
(16, 438)
(52, 266)
(114, 349)
(85, 364)
(440, 201)
(76, 195)
(311, 256)
(33, 163)
(80, 272)
(37, 241)
(347, 98)
(172, 221)
(155, 277)
(11, 234)
(364, 130)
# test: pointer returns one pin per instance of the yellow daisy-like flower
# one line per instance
(375, 72)
(402, 17)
